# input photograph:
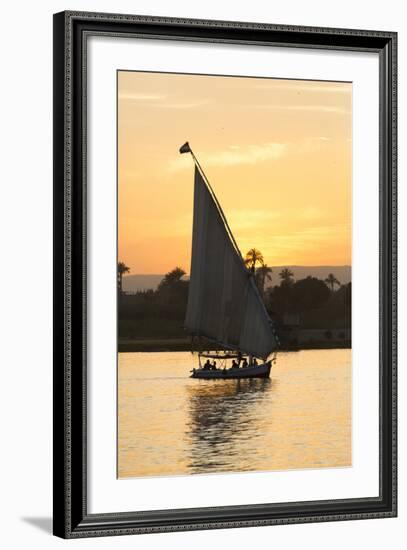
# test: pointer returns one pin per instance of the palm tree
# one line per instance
(121, 270)
(331, 281)
(171, 278)
(253, 256)
(263, 274)
(286, 276)
(172, 290)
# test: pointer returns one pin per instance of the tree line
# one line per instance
(291, 296)
(160, 313)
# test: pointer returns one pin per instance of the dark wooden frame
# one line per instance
(71, 518)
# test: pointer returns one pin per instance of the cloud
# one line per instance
(134, 96)
(236, 155)
(314, 144)
(160, 101)
(310, 213)
(247, 219)
(315, 241)
(305, 108)
(315, 234)
(306, 86)
(186, 105)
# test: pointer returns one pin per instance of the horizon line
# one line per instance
(282, 265)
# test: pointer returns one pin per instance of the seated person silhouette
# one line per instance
(207, 365)
(214, 365)
(244, 363)
(235, 364)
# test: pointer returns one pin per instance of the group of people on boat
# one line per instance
(239, 362)
(242, 363)
(210, 366)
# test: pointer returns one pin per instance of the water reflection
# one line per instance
(170, 424)
(222, 422)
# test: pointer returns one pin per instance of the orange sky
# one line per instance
(277, 153)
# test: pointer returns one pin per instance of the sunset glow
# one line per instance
(277, 153)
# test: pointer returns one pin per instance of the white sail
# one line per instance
(224, 304)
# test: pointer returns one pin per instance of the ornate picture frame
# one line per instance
(71, 516)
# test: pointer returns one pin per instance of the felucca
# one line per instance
(224, 307)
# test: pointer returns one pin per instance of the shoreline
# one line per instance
(182, 344)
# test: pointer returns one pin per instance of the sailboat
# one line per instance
(224, 305)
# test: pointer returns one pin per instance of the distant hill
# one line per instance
(134, 283)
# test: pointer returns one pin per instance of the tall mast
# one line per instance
(224, 304)
(186, 148)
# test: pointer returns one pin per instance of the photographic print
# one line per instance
(234, 274)
(225, 282)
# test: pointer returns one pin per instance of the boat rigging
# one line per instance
(224, 304)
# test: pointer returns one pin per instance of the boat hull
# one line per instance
(259, 371)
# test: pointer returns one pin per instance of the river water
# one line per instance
(171, 424)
